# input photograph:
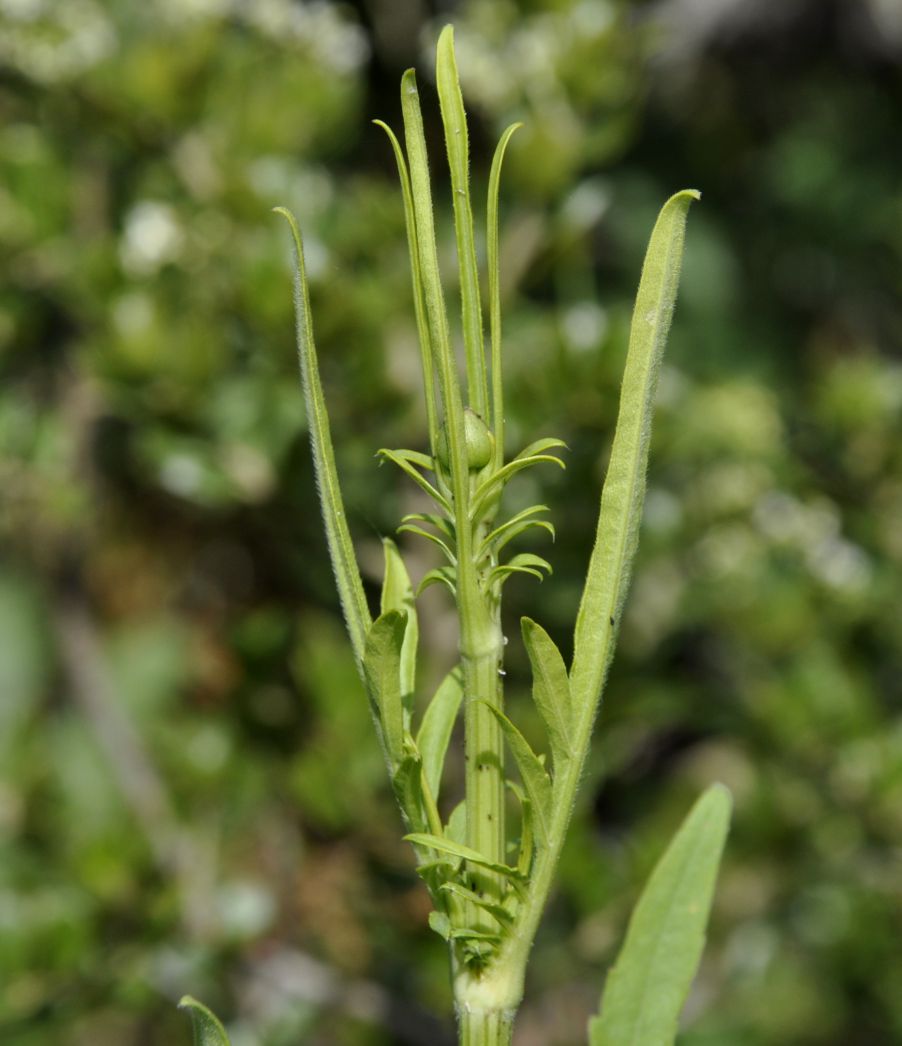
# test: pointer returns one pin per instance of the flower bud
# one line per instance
(479, 443)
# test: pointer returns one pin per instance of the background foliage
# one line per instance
(190, 795)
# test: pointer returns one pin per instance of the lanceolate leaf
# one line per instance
(402, 461)
(435, 730)
(347, 575)
(523, 563)
(647, 987)
(457, 141)
(398, 595)
(465, 853)
(494, 270)
(624, 487)
(208, 1031)
(535, 778)
(515, 526)
(418, 300)
(408, 791)
(382, 669)
(550, 688)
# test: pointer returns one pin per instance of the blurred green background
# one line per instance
(191, 798)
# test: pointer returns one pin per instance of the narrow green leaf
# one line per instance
(494, 269)
(433, 296)
(208, 1030)
(441, 575)
(540, 446)
(498, 479)
(457, 142)
(404, 464)
(419, 303)
(412, 528)
(522, 563)
(397, 594)
(441, 924)
(513, 527)
(344, 563)
(456, 828)
(407, 785)
(438, 723)
(647, 987)
(502, 915)
(441, 524)
(455, 849)
(550, 689)
(382, 670)
(535, 778)
(608, 575)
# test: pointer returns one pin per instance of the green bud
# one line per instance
(478, 441)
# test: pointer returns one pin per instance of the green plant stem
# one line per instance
(481, 657)
(485, 1027)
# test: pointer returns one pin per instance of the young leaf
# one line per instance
(208, 1031)
(418, 300)
(608, 575)
(407, 785)
(522, 563)
(398, 595)
(382, 671)
(648, 985)
(435, 730)
(502, 915)
(513, 527)
(440, 575)
(455, 849)
(457, 142)
(344, 564)
(550, 688)
(402, 459)
(494, 270)
(535, 778)
(412, 528)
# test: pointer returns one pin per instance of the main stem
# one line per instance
(485, 1027)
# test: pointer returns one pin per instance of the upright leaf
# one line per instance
(382, 670)
(208, 1031)
(535, 777)
(344, 563)
(647, 987)
(397, 594)
(550, 688)
(494, 270)
(435, 730)
(457, 142)
(624, 486)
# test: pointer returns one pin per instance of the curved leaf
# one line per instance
(617, 534)
(535, 777)
(382, 670)
(648, 985)
(338, 537)
(397, 594)
(550, 688)
(208, 1030)
(438, 723)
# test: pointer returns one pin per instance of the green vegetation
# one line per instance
(165, 598)
(487, 909)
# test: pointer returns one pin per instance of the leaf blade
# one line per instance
(208, 1029)
(397, 594)
(550, 688)
(438, 723)
(382, 670)
(648, 986)
(607, 578)
(536, 781)
(341, 550)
